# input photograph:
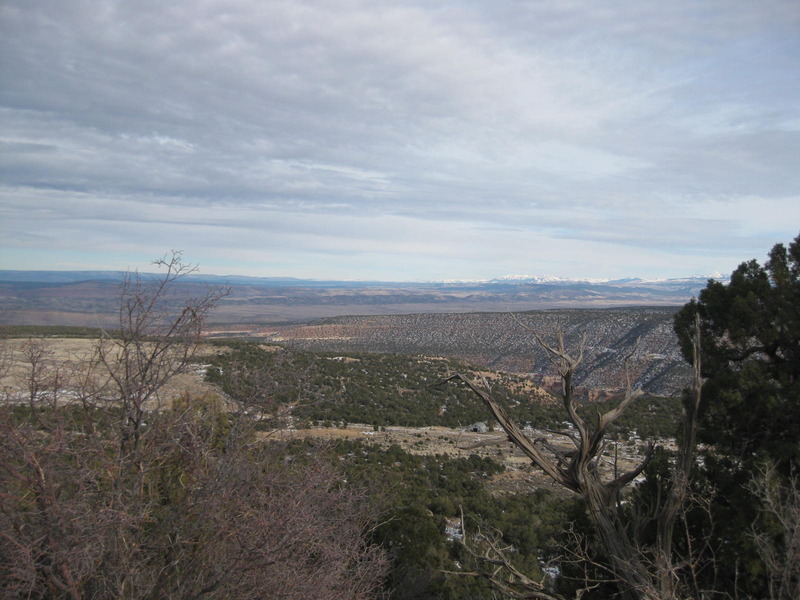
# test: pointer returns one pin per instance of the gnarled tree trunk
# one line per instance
(641, 573)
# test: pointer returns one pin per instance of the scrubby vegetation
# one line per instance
(497, 341)
(375, 389)
(423, 498)
(197, 511)
(397, 389)
(112, 487)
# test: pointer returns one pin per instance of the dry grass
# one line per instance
(71, 355)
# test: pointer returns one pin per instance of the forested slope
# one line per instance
(501, 341)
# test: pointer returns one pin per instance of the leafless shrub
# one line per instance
(102, 496)
(197, 517)
(777, 536)
(158, 337)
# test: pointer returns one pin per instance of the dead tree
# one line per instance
(157, 338)
(640, 573)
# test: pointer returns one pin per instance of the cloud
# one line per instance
(401, 133)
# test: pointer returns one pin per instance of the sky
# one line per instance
(395, 141)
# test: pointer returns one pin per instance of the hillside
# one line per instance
(498, 341)
(465, 320)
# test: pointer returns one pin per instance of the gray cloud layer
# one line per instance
(399, 139)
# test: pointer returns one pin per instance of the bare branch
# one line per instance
(501, 573)
(515, 434)
(579, 471)
(626, 478)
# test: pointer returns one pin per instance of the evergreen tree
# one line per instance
(751, 359)
(750, 419)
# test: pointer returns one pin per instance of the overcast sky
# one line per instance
(398, 140)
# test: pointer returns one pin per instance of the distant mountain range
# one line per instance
(78, 276)
(91, 298)
(550, 279)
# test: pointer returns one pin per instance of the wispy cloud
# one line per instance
(400, 140)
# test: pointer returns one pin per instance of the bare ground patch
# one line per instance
(71, 359)
(519, 475)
